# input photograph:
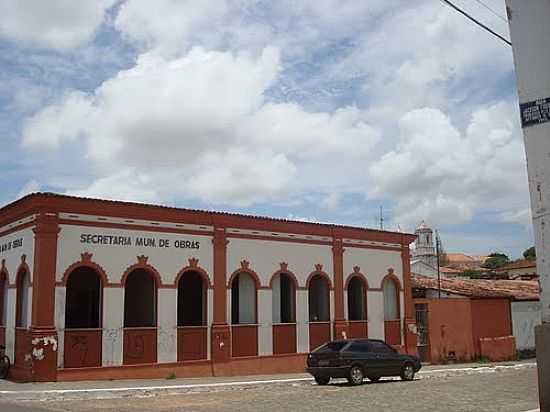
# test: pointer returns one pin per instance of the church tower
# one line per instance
(424, 245)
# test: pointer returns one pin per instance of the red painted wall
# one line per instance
(450, 328)
(498, 349)
(490, 319)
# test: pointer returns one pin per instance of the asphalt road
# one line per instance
(513, 390)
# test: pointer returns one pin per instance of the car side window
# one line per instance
(379, 347)
(359, 347)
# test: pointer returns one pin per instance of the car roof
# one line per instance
(360, 340)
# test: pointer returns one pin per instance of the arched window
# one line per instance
(140, 300)
(191, 299)
(319, 299)
(284, 299)
(391, 300)
(243, 299)
(3, 298)
(83, 300)
(22, 306)
(357, 299)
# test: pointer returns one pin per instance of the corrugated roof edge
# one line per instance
(128, 203)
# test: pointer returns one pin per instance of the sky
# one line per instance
(322, 110)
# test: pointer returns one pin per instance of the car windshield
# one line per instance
(330, 347)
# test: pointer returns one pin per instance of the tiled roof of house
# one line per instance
(481, 288)
(461, 257)
(450, 271)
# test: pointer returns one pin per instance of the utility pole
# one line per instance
(529, 22)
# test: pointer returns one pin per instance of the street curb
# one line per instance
(150, 391)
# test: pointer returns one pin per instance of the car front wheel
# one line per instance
(407, 373)
(322, 380)
(356, 375)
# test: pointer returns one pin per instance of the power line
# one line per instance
(447, 2)
(492, 11)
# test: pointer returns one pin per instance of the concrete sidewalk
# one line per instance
(157, 387)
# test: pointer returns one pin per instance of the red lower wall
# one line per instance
(498, 349)
(294, 363)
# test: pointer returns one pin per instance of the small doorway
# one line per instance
(192, 329)
(83, 334)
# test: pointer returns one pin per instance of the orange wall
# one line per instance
(450, 328)
(490, 319)
(498, 349)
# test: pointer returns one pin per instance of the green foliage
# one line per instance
(470, 273)
(171, 376)
(496, 260)
(530, 254)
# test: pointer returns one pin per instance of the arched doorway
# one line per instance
(244, 328)
(357, 308)
(192, 316)
(22, 316)
(283, 292)
(140, 317)
(392, 321)
(83, 319)
(319, 310)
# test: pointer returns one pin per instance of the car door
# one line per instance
(360, 351)
(388, 361)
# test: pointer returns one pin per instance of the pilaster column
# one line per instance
(221, 333)
(409, 325)
(340, 324)
(43, 332)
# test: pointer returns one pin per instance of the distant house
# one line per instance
(463, 261)
(472, 314)
(520, 269)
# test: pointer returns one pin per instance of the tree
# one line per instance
(496, 260)
(530, 254)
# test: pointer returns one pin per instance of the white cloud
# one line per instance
(52, 24)
(31, 186)
(199, 126)
(444, 176)
(126, 185)
(171, 26)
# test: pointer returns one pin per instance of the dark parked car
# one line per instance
(357, 359)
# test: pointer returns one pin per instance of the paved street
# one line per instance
(481, 389)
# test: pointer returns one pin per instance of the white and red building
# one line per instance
(95, 289)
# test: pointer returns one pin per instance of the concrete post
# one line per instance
(530, 32)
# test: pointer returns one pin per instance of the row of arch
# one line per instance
(22, 304)
(85, 280)
(86, 260)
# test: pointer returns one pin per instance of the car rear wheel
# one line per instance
(356, 375)
(322, 380)
(407, 372)
(373, 378)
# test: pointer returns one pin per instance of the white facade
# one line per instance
(525, 316)
(264, 258)
(123, 289)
